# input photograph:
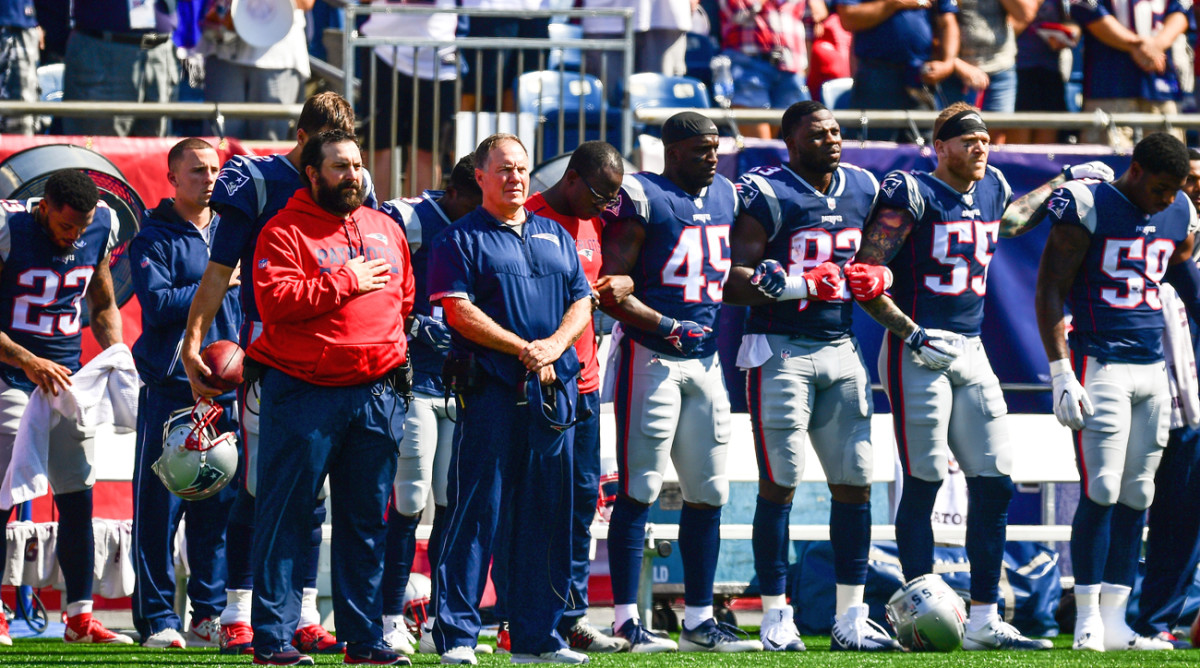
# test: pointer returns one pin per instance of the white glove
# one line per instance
(1071, 401)
(936, 349)
(1090, 170)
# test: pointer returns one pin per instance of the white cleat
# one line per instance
(565, 656)
(779, 633)
(460, 656)
(855, 631)
(1122, 638)
(1089, 635)
(1001, 635)
(167, 638)
(398, 636)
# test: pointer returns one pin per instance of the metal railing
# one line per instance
(480, 46)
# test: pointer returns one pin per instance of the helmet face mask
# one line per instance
(927, 615)
(196, 462)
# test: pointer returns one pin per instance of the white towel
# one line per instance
(608, 388)
(1181, 360)
(104, 391)
(114, 575)
(31, 558)
(754, 351)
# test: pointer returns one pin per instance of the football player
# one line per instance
(670, 233)
(576, 202)
(168, 257)
(250, 190)
(1110, 246)
(1173, 542)
(800, 223)
(935, 234)
(55, 254)
(429, 425)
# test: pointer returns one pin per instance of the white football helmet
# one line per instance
(928, 615)
(196, 462)
(416, 602)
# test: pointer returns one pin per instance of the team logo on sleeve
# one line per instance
(748, 195)
(1058, 206)
(615, 207)
(232, 180)
(890, 184)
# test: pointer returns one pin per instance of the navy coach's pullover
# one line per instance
(168, 257)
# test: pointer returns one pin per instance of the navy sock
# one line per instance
(76, 544)
(850, 537)
(914, 530)
(239, 542)
(398, 559)
(770, 543)
(626, 538)
(699, 546)
(1125, 546)
(988, 498)
(1090, 532)
(314, 550)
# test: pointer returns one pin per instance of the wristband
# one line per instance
(794, 287)
(665, 326)
(1061, 366)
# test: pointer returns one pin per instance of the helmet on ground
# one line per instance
(416, 602)
(196, 462)
(928, 615)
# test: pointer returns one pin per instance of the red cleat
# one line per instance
(314, 639)
(237, 638)
(5, 639)
(83, 628)
(503, 642)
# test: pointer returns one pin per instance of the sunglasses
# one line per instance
(607, 201)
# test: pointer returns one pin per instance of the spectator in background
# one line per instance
(985, 72)
(830, 55)
(434, 104)
(1126, 64)
(236, 71)
(54, 18)
(894, 40)
(1040, 83)
(20, 39)
(120, 51)
(660, 31)
(484, 65)
(765, 42)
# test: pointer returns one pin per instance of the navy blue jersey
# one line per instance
(1110, 73)
(684, 261)
(42, 286)
(525, 282)
(805, 228)
(940, 273)
(422, 220)
(1115, 308)
(249, 191)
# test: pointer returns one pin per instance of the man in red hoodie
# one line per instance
(334, 284)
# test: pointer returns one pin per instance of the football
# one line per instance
(224, 359)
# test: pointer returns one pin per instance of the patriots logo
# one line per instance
(748, 195)
(79, 243)
(785, 353)
(890, 184)
(378, 236)
(232, 180)
(206, 477)
(615, 207)
(1058, 206)
(145, 262)
(586, 253)
(545, 237)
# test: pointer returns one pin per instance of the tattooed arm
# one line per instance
(1028, 212)
(1064, 253)
(884, 233)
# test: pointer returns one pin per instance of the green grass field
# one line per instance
(52, 652)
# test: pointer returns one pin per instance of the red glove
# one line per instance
(825, 282)
(868, 281)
